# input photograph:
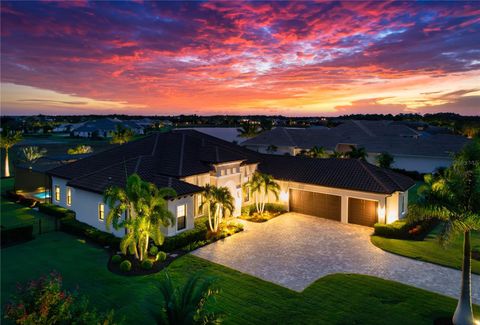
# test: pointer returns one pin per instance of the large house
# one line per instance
(345, 190)
(411, 150)
(105, 127)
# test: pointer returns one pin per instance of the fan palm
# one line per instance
(33, 153)
(262, 185)
(357, 153)
(7, 140)
(454, 198)
(188, 304)
(385, 160)
(219, 202)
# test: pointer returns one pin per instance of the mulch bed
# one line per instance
(256, 218)
(136, 264)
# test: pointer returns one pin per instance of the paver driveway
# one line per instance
(294, 250)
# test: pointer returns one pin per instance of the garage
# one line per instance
(362, 212)
(316, 204)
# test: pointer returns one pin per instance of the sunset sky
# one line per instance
(289, 58)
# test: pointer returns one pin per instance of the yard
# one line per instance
(334, 299)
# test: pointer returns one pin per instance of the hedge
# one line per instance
(56, 211)
(183, 239)
(15, 235)
(402, 230)
(78, 228)
(270, 207)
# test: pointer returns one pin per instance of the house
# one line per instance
(345, 190)
(104, 128)
(411, 150)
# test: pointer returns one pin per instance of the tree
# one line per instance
(142, 209)
(337, 154)
(266, 125)
(317, 152)
(7, 140)
(385, 160)
(248, 130)
(357, 153)
(80, 149)
(261, 185)
(454, 198)
(219, 202)
(122, 135)
(188, 304)
(33, 153)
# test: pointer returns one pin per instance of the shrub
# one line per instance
(56, 211)
(274, 208)
(397, 229)
(27, 202)
(15, 235)
(153, 250)
(193, 246)
(116, 259)
(125, 266)
(147, 264)
(161, 256)
(43, 301)
(187, 237)
(78, 228)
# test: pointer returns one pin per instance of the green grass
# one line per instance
(335, 299)
(430, 250)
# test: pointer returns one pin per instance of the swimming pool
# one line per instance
(42, 195)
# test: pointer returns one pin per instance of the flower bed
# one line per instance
(272, 210)
(116, 265)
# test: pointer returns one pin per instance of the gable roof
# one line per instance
(106, 124)
(352, 174)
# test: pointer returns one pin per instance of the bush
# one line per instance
(56, 211)
(15, 235)
(153, 250)
(147, 264)
(161, 256)
(397, 229)
(193, 246)
(27, 202)
(78, 228)
(248, 210)
(116, 259)
(187, 237)
(125, 266)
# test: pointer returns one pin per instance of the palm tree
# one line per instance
(454, 198)
(337, 154)
(385, 160)
(248, 130)
(262, 185)
(187, 304)
(79, 150)
(317, 152)
(357, 153)
(7, 140)
(219, 202)
(122, 135)
(33, 153)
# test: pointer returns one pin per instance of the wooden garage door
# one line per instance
(362, 212)
(316, 204)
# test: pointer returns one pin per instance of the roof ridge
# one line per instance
(363, 128)
(138, 164)
(371, 174)
(182, 147)
(155, 144)
(289, 136)
(101, 169)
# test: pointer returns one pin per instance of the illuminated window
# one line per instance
(69, 196)
(57, 193)
(181, 217)
(101, 211)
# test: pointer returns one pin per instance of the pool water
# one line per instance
(42, 195)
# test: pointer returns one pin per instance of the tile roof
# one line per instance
(164, 158)
(350, 174)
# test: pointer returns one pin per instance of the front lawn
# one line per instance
(335, 299)
(430, 250)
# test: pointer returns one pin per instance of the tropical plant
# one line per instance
(33, 153)
(218, 202)
(43, 301)
(454, 197)
(261, 185)
(385, 160)
(357, 153)
(122, 135)
(79, 150)
(266, 125)
(337, 154)
(188, 304)
(317, 152)
(248, 130)
(141, 208)
(7, 140)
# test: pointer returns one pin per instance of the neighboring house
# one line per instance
(345, 190)
(228, 134)
(104, 128)
(411, 150)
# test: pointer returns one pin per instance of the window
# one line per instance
(101, 211)
(69, 196)
(57, 193)
(181, 217)
(402, 203)
(246, 197)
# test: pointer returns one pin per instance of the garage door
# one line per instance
(362, 212)
(316, 204)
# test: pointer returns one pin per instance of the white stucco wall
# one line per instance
(190, 221)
